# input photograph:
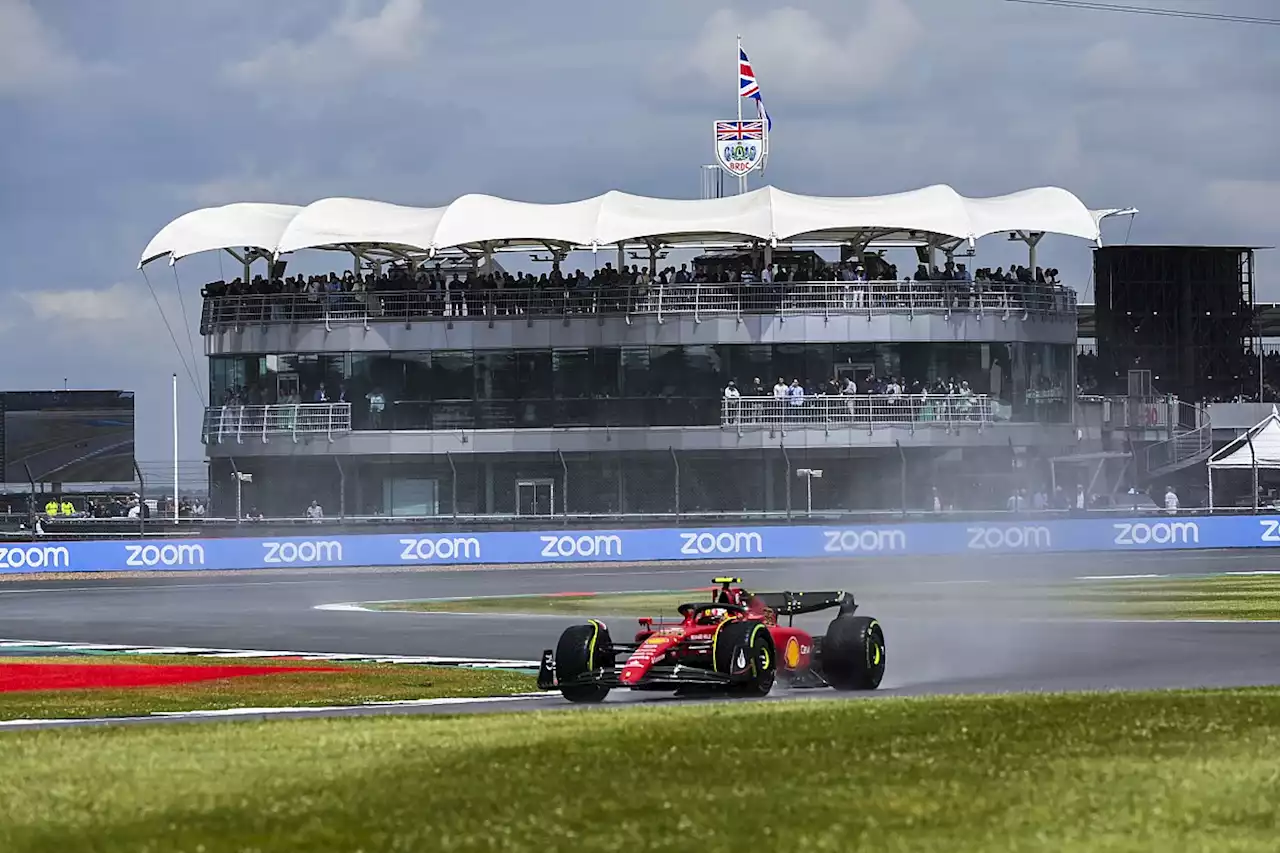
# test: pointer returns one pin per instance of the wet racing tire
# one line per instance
(583, 649)
(853, 653)
(753, 641)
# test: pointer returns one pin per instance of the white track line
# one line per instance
(1119, 577)
(1250, 573)
(442, 660)
(309, 711)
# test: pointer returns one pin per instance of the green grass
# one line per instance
(1221, 597)
(585, 604)
(1075, 773)
(354, 684)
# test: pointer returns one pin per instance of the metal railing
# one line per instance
(284, 419)
(857, 411)
(337, 308)
(1185, 448)
(241, 423)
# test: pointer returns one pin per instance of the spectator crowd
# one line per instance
(466, 292)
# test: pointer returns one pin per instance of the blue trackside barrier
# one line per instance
(801, 541)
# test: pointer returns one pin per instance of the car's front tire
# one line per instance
(583, 649)
(853, 653)
(756, 644)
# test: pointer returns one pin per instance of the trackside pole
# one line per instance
(175, 448)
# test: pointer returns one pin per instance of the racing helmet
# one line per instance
(712, 615)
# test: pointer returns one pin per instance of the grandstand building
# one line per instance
(872, 366)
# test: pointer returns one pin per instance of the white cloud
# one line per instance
(123, 319)
(33, 59)
(351, 46)
(93, 307)
(798, 56)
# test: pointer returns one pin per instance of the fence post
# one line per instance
(235, 474)
(675, 460)
(565, 468)
(787, 479)
(142, 498)
(453, 485)
(902, 476)
(342, 489)
(1253, 456)
(31, 504)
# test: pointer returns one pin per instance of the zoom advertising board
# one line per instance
(801, 542)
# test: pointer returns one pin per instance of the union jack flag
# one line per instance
(749, 88)
(734, 130)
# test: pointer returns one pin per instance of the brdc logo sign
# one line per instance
(739, 146)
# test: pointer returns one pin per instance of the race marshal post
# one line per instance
(743, 146)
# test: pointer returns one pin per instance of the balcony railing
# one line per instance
(304, 420)
(291, 420)
(698, 301)
(869, 412)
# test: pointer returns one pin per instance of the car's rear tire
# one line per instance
(853, 653)
(583, 649)
(757, 644)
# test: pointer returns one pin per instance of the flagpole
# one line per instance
(737, 59)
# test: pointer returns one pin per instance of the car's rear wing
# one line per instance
(798, 603)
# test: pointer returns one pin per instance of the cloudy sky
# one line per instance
(117, 117)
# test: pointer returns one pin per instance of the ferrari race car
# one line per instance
(732, 643)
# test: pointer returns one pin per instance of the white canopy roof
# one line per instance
(767, 214)
(1266, 447)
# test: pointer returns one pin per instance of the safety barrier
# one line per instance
(810, 541)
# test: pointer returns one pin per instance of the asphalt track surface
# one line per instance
(973, 625)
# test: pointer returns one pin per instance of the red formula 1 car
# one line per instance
(732, 643)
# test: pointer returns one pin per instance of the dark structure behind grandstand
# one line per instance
(1186, 313)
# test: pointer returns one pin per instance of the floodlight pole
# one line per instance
(809, 474)
(175, 447)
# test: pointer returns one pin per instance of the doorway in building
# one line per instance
(535, 497)
(286, 387)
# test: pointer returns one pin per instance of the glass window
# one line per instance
(452, 375)
(1034, 382)
(572, 373)
(789, 362)
(226, 377)
(749, 362)
(497, 376)
(667, 378)
(704, 373)
(635, 369)
(533, 369)
(319, 376)
(605, 372)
